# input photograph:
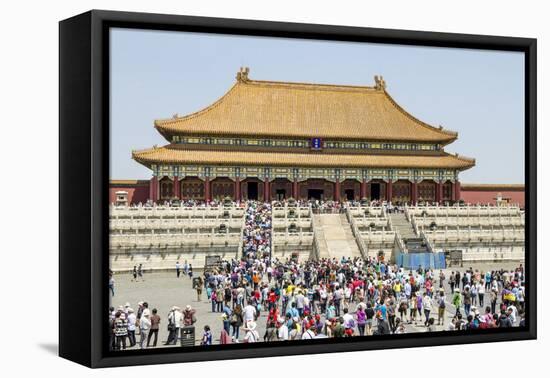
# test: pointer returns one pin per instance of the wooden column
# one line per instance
(295, 193)
(367, 190)
(176, 187)
(453, 191)
(267, 196)
(337, 190)
(438, 192)
(207, 189)
(237, 189)
(414, 192)
(457, 190)
(389, 191)
(153, 188)
(363, 190)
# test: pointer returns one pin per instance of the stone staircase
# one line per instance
(413, 242)
(334, 235)
(402, 225)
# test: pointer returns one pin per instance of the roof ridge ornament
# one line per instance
(462, 157)
(443, 129)
(380, 83)
(242, 75)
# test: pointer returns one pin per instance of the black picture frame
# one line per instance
(84, 164)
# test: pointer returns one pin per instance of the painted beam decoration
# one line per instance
(330, 174)
(312, 143)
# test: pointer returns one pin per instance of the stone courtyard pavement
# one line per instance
(162, 290)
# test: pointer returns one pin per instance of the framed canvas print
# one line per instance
(234, 189)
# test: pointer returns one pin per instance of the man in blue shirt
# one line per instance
(383, 310)
(293, 311)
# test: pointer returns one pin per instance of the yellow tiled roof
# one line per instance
(492, 187)
(176, 154)
(128, 182)
(301, 110)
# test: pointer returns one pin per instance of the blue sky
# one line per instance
(475, 92)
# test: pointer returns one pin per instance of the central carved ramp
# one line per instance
(335, 236)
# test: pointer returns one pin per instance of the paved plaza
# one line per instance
(162, 290)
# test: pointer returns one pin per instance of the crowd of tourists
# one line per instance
(126, 324)
(257, 229)
(330, 298)
(326, 298)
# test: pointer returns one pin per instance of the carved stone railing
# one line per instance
(363, 249)
(182, 212)
(429, 245)
(468, 210)
(165, 241)
(316, 248)
(399, 243)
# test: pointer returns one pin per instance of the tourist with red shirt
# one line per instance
(272, 298)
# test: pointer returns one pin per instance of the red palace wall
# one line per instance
(484, 194)
(138, 190)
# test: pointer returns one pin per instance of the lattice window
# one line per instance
(426, 191)
(192, 189)
(401, 191)
(222, 189)
(166, 189)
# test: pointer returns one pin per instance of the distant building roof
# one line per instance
(492, 187)
(128, 182)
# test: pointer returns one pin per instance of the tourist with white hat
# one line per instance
(251, 335)
(144, 327)
(282, 329)
(174, 325)
(131, 326)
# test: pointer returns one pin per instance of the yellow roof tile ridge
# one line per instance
(421, 123)
(305, 85)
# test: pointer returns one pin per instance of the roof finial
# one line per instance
(242, 75)
(380, 82)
